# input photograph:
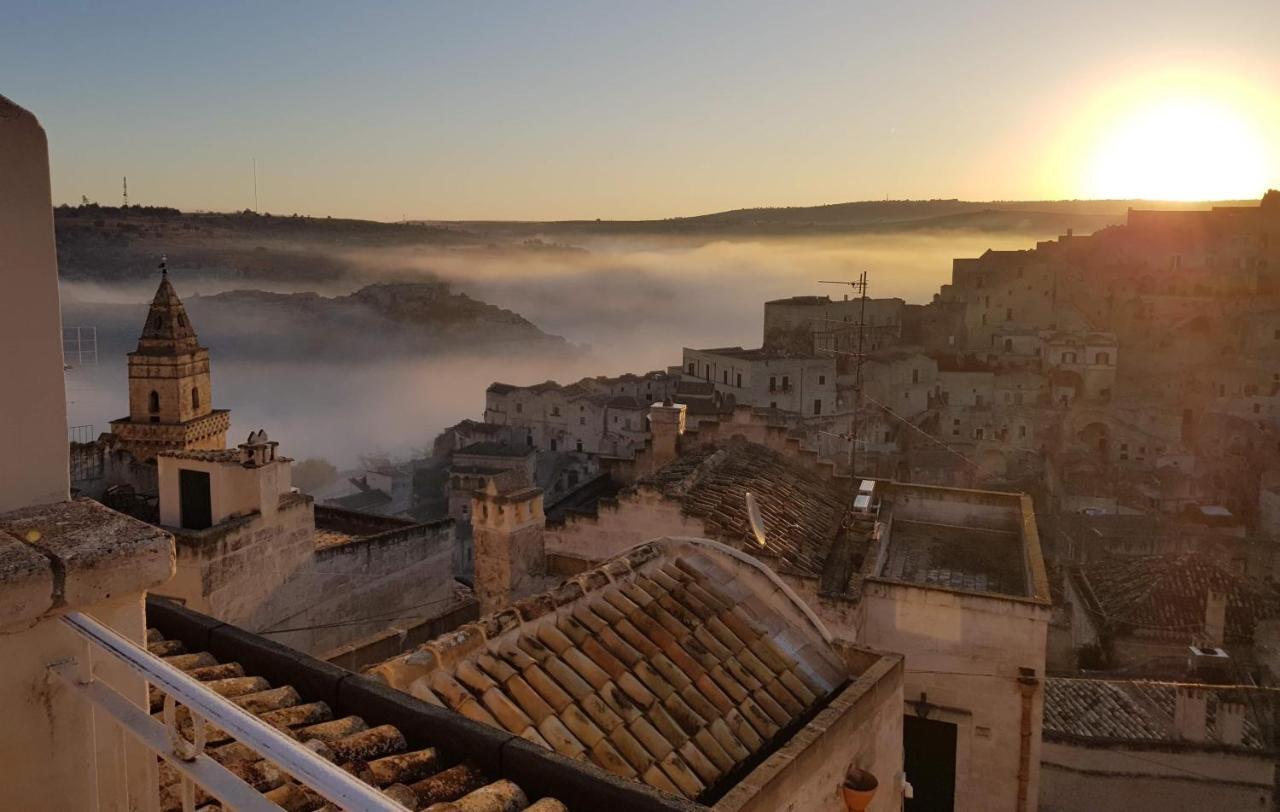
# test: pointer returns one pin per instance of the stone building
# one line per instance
(1144, 612)
(254, 552)
(170, 394)
(804, 384)
(603, 416)
(805, 325)
(1119, 745)
(952, 579)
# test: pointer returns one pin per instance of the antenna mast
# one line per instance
(859, 286)
(126, 191)
(255, 184)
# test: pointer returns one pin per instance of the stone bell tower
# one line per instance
(170, 400)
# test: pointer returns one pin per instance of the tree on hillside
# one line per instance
(313, 473)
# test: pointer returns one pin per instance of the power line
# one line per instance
(360, 621)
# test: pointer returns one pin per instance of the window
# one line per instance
(579, 445)
(817, 406)
(1103, 358)
(915, 376)
(984, 319)
(955, 422)
(822, 380)
(154, 406)
(1022, 431)
(977, 433)
(1008, 314)
(773, 404)
(195, 397)
(1008, 345)
(519, 408)
(693, 367)
(553, 444)
(726, 377)
(739, 380)
(786, 383)
(555, 411)
(582, 421)
(528, 439)
(888, 436)
(773, 384)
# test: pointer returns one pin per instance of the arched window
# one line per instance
(155, 402)
(195, 397)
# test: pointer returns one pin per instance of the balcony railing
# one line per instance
(186, 756)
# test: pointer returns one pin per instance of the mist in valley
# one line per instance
(342, 391)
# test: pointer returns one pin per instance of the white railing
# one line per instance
(187, 757)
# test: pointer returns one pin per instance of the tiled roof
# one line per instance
(625, 402)
(673, 665)
(1165, 595)
(1141, 711)
(363, 500)
(802, 511)
(416, 778)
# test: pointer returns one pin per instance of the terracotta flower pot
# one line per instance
(858, 789)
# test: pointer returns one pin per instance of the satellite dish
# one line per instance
(757, 522)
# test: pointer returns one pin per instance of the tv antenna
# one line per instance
(126, 192)
(859, 286)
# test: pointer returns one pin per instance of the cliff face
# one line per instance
(384, 319)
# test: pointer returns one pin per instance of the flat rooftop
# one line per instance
(960, 540)
(964, 558)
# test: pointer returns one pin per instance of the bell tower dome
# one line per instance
(170, 399)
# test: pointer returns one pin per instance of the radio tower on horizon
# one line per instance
(126, 191)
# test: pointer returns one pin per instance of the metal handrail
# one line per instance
(305, 766)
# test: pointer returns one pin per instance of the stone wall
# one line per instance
(269, 577)
(964, 652)
(393, 577)
(1117, 778)
(33, 450)
(860, 727)
(619, 525)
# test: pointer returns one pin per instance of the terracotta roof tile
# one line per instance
(1165, 595)
(1140, 711)
(801, 510)
(654, 672)
(379, 755)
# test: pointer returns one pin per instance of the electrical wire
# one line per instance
(360, 621)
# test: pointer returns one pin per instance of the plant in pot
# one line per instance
(858, 789)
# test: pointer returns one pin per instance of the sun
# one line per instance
(1176, 146)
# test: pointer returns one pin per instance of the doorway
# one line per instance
(194, 499)
(929, 751)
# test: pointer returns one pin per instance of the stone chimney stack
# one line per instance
(1189, 709)
(507, 525)
(1215, 618)
(666, 425)
(1230, 722)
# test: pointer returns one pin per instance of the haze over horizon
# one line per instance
(585, 111)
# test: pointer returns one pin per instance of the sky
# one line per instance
(623, 110)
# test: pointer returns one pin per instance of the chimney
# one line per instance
(1230, 722)
(666, 424)
(1189, 708)
(507, 524)
(1215, 618)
